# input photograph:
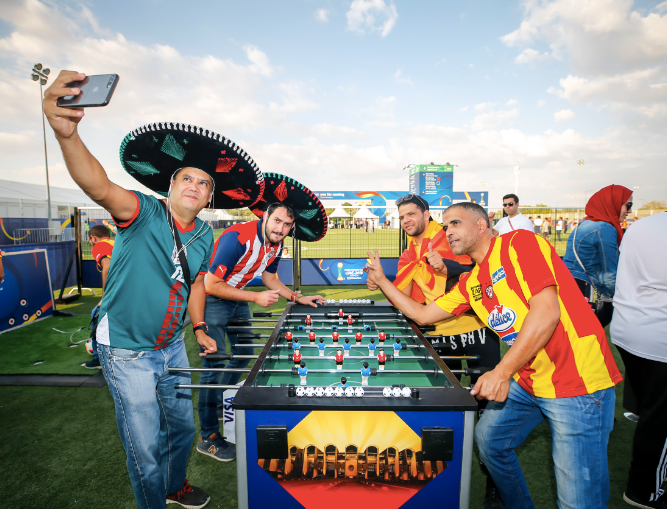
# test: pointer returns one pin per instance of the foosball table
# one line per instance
(349, 403)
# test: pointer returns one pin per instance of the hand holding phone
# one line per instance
(94, 91)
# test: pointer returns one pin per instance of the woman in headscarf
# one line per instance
(592, 248)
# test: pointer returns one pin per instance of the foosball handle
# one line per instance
(249, 335)
(477, 371)
(238, 321)
(262, 314)
(218, 357)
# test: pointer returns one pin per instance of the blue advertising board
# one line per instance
(341, 271)
(25, 293)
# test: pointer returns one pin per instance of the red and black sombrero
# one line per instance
(153, 152)
(311, 222)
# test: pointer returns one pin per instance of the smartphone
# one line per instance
(95, 91)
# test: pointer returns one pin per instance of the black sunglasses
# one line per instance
(510, 204)
(409, 198)
(629, 205)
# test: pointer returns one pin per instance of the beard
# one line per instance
(462, 246)
(419, 228)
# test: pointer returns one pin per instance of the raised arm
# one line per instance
(422, 315)
(85, 170)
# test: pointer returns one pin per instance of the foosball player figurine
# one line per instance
(347, 347)
(371, 347)
(382, 358)
(296, 357)
(397, 347)
(358, 336)
(308, 320)
(288, 336)
(381, 337)
(339, 359)
(312, 336)
(343, 383)
(321, 347)
(365, 373)
(296, 345)
(350, 320)
(303, 372)
(335, 337)
(340, 313)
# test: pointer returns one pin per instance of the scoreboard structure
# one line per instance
(432, 181)
(398, 432)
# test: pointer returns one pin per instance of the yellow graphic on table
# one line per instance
(380, 429)
(340, 271)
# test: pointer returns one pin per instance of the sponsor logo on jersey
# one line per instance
(489, 292)
(498, 275)
(476, 292)
(501, 318)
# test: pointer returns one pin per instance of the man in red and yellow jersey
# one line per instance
(102, 247)
(559, 367)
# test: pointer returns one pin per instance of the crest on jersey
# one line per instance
(501, 319)
(489, 292)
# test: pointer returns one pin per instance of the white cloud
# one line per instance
(530, 56)
(465, 108)
(399, 77)
(259, 59)
(487, 117)
(541, 103)
(562, 115)
(371, 16)
(596, 36)
(512, 102)
(322, 15)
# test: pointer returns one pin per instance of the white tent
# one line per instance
(364, 213)
(339, 212)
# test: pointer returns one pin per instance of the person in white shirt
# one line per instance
(638, 330)
(538, 224)
(559, 227)
(514, 220)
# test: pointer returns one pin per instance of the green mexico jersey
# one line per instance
(146, 296)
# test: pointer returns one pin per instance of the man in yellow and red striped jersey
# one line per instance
(559, 367)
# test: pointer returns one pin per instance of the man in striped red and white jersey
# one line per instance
(559, 367)
(243, 252)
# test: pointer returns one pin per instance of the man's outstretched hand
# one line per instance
(374, 268)
(312, 300)
(63, 121)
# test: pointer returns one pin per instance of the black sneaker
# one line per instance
(217, 447)
(190, 497)
(635, 501)
(92, 364)
(492, 498)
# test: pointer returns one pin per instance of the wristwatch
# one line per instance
(201, 326)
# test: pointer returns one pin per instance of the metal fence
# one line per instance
(40, 235)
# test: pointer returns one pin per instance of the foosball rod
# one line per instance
(355, 314)
(434, 371)
(226, 357)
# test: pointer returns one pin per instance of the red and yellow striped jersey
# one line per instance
(577, 359)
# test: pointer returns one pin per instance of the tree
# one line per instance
(653, 205)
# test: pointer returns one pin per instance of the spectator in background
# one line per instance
(537, 223)
(559, 228)
(565, 225)
(102, 248)
(514, 220)
(545, 229)
(592, 248)
(638, 331)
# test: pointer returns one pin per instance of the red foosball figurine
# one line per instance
(350, 320)
(381, 337)
(358, 336)
(309, 320)
(335, 337)
(288, 336)
(312, 336)
(296, 357)
(339, 359)
(382, 358)
(340, 313)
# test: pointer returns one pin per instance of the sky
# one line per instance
(342, 95)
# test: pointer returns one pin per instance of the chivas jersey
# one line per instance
(577, 359)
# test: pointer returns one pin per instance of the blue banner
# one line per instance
(285, 273)
(341, 271)
(25, 293)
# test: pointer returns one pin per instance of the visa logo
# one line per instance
(498, 275)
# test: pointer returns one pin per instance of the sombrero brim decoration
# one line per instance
(153, 152)
(311, 222)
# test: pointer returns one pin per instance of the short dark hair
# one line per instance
(511, 197)
(180, 170)
(275, 206)
(476, 209)
(416, 199)
(99, 230)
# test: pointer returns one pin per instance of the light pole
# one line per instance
(42, 75)
(517, 169)
(580, 163)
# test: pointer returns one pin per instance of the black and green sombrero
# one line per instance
(153, 152)
(311, 222)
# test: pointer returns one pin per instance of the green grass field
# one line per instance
(61, 447)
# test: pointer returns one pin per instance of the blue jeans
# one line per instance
(580, 428)
(218, 312)
(155, 420)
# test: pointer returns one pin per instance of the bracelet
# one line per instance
(198, 324)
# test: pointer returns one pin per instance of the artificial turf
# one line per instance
(61, 449)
